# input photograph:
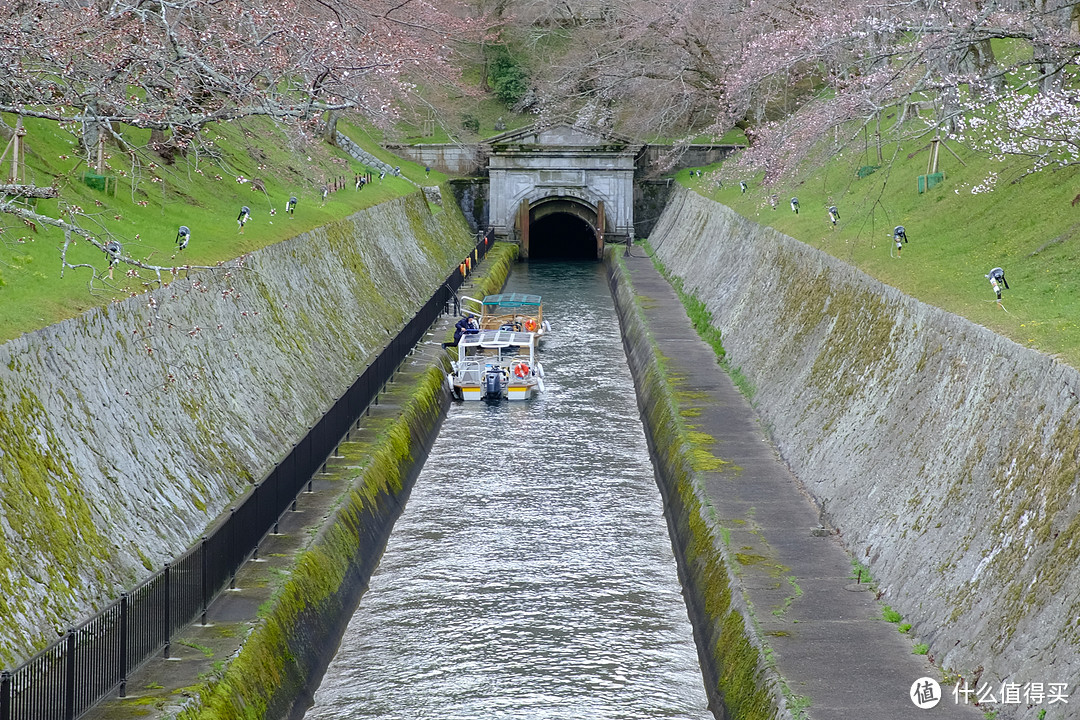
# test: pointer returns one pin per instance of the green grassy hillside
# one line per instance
(1027, 225)
(151, 200)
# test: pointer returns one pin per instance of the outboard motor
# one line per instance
(493, 385)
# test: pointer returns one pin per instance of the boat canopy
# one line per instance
(512, 300)
(496, 339)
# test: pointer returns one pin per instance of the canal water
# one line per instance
(531, 574)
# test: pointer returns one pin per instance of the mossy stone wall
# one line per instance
(649, 199)
(946, 455)
(126, 431)
(474, 198)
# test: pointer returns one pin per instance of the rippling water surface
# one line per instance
(531, 575)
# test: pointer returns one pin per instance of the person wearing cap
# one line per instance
(997, 279)
(114, 250)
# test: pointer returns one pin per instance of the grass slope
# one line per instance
(153, 199)
(1026, 225)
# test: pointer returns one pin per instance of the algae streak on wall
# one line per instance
(946, 455)
(124, 432)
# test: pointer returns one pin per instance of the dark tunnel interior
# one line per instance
(561, 236)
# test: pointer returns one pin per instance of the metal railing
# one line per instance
(95, 659)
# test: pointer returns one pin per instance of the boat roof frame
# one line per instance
(512, 300)
(497, 339)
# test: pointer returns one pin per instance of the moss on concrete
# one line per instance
(42, 505)
(313, 309)
(947, 456)
(497, 264)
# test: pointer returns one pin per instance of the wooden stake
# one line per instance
(946, 146)
(15, 147)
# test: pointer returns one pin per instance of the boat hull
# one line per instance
(472, 393)
(518, 392)
(510, 392)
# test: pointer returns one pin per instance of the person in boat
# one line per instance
(466, 324)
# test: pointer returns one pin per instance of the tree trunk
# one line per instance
(979, 60)
(1052, 20)
(161, 145)
(330, 131)
(91, 131)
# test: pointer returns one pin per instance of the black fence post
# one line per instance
(278, 473)
(123, 643)
(167, 611)
(232, 544)
(205, 589)
(69, 688)
(255, 495)
(5, 695)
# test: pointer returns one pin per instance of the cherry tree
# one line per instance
(644, 68)
(181, 65)
(793, 74)
(174, 67)
(1043, 127)
(932, 59)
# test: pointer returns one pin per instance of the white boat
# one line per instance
(496, 364)
(508, 311)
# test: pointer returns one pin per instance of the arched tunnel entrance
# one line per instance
(562, 236)
(562, 229)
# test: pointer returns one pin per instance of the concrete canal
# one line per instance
(531, 574)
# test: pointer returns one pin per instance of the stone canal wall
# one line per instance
(126, 431)
(945, 455)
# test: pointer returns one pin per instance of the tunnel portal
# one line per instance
(562, 236)
(564, 230)
(561, 190)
